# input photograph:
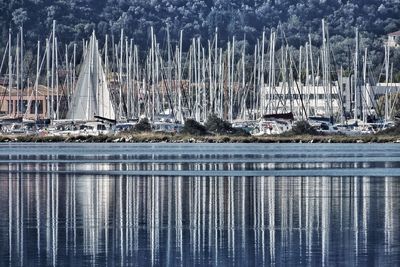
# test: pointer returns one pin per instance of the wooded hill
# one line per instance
(76, 19)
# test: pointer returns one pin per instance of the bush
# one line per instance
(192, 127)
(143, 126)
(241, 132)
(303, 127)
(394, 130)
(218, 126)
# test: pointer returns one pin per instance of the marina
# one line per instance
(116, 83)
(200, 133)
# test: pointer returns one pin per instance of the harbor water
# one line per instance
(199, 204)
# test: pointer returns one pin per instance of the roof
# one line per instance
(394, 33)
(284, 116)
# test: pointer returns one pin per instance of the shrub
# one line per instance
(218, 125)
(394, 130)
(143, 126)
(303, 127)
(194, 128)
(240, 132)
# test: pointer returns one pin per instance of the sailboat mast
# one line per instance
(120, 74)
(74, 70)
(152, 68)
(10, 79)
(37, 80)
(204, 103)
(262, 88)
(128, 76)
(243, 104)
(270, 73)
(387, 53)
(169, 68)
(68, 74)
(18, 75)
(56, 74)
(229, 80)
(365, 95)
(48, 77)
(355, 78)
(22, 67)
(131, 77)
(180, 78)
(307, 81)
(300, 85)
(232, 81)
(196, 61)
(137, 88)
(221, 85)
(210, 79)
(312, 75)
(328, 72)
(216, 71)
(254, 83)
(52, 68)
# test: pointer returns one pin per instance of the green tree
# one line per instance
(193, 127)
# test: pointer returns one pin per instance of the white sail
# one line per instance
(92, 96)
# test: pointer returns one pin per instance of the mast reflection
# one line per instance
(208, 220)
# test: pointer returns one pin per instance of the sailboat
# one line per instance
(92, 97)
(91, 103)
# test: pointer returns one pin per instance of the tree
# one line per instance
(303, 127)
(143, 126)
(192, 127)
(19, 16)
(218, 125)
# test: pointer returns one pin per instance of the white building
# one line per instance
(301, 99)
(394, 39)
(325, 100)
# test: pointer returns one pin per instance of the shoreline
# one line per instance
(178, 138)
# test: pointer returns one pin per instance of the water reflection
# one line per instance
(201, 220)
(114, 205)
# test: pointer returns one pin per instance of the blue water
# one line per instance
(199, 204)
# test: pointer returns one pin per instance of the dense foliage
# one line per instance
(192, 127)
(143, 126)
(76, 19)
(217, 125)
(303, 127)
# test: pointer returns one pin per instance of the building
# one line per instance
(302, 99)
(320, 100)
(26, 101)
(394, 39)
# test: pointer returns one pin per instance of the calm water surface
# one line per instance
(199, 204)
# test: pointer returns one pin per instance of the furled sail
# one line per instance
(91, 96)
